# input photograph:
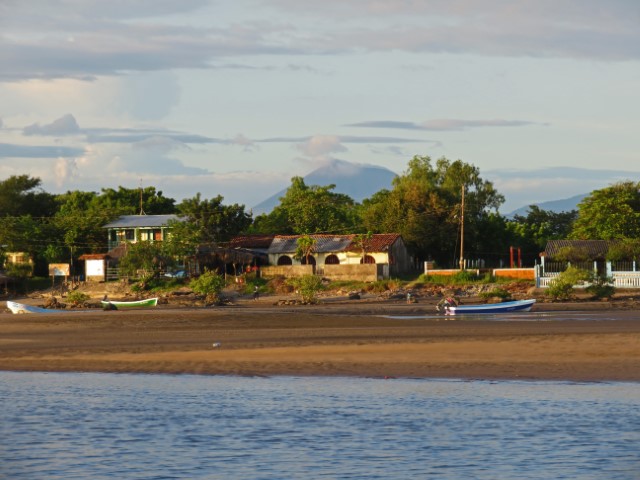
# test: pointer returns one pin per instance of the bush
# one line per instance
(77, 298)
(308, 287)
(561, 287)
(496, 292)
(601, 287)
(209, 284)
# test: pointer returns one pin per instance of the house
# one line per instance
(341, 257)
(138, 228)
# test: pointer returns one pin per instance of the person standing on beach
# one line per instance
(256, 292)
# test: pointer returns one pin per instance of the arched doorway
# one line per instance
(310, 260)
(285, 260)
(368, 259)
(332, 260)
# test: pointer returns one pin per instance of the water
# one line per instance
(105, 426)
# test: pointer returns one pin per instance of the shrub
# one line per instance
(601, 287)
(496, 292)
(209, 284)
(77, 298)
(561, 287)
(308, 287)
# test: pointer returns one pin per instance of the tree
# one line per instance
(610, 213)
(213, 221)
(362, 240)
(309, 209)
(143, 260)
(130, 201)
(532, 232)
(424, 207)
(22, 195)
(305, 246)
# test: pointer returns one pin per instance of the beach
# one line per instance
(590, 341)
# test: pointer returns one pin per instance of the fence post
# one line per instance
(537, 274)
(609, 269)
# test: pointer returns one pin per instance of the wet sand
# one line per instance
(584, 342)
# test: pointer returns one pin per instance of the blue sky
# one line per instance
(236, 97)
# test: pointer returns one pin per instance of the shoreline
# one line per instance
(567, 342)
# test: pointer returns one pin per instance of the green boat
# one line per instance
(148, 302)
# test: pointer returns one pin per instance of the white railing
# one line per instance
(620, 280)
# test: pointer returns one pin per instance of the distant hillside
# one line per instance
(557, 206)
(356, 180)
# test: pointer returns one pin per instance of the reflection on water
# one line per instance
(545, 316)
(160, 426)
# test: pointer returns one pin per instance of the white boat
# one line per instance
(148, 302)
(504, 307)
(16, 307)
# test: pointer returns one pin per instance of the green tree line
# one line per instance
(423, 205)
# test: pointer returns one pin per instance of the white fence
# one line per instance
(620, 278)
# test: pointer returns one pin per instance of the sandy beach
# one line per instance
(583, 342)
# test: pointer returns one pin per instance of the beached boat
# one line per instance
(504, 307)
(148, 302)
(16, 307)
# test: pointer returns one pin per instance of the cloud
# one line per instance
(443, 124)
(319, 146)
(65, 125)
(88, 39)
(63, 170)
(8, 150)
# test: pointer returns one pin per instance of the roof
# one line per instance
(333, 243)
(594, 248)
(93, 256)
(136, 221)
(251, 241)
(379, 242)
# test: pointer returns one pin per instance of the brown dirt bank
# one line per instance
(337, 338)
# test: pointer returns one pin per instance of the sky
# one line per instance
(235, 97)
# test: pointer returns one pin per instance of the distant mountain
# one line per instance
(556, 206)
(359, 181)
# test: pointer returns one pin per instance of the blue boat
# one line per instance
(504, 307)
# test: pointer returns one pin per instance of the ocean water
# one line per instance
(108, 426)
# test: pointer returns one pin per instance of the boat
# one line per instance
(503, 307)
(148, 302)
(16, 307)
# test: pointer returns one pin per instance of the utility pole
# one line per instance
(462, 230)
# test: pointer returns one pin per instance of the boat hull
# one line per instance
(20, 308)
(504, 307)
(149, 302)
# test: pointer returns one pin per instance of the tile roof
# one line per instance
(135, 221)
(251, 241)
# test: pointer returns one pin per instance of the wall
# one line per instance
(517, 273)
(287, 271)
(361, 272)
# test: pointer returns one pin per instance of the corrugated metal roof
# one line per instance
(333, 243)
(135, 221)
(594, 248)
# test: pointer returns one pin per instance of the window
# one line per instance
(332, 260)
(284, 260)
(368, 259)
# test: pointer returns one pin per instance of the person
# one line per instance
(445, 303)
(256, 292)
